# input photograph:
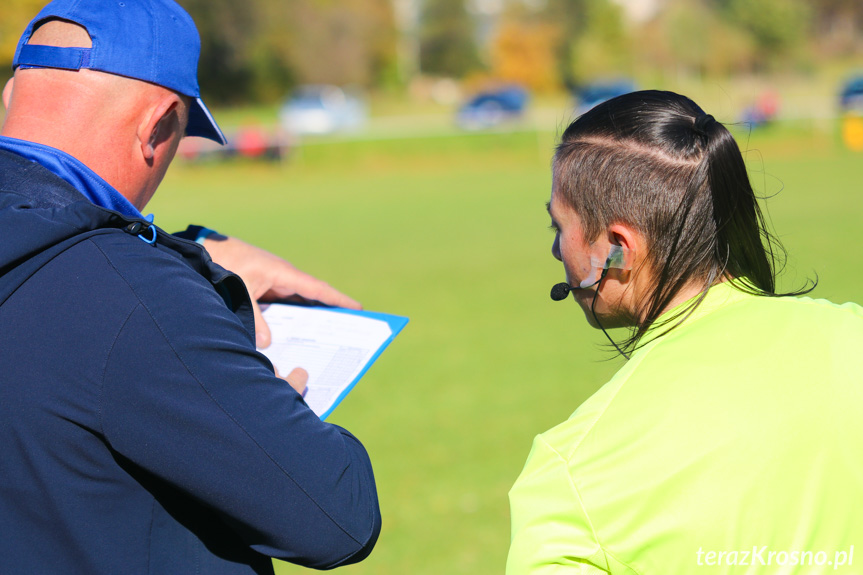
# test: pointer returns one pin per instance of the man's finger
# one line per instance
(298, 379)
(295, 282)
(332, 296)
(262, 330)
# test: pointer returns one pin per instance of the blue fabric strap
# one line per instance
(203, 234)
(54, 57)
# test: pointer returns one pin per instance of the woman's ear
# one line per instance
(632, 242)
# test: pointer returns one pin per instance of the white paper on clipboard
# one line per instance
(335, 346)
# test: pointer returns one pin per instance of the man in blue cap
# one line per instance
(141, 431)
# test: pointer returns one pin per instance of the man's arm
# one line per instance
(186, 399)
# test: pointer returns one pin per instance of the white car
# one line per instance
(322, 109)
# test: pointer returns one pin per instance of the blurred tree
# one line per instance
(601, 48)
(779, 27)
(568, 16)
(341, 41)
(447, 42)
(687, 26)
(227, 30)
(731, 50)
(593, 40)
(523, 53)
(690, 37)
(839, 26)
(258, 50)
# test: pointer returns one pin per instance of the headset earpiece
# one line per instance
(618, 257)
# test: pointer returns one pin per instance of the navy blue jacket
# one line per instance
(141, 432)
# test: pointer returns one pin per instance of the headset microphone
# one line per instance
(560, 291)
(618, 257)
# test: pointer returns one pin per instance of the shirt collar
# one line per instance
(82, 178)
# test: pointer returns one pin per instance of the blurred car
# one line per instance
(763, 111)
(590, 95)
(492, 108)
(322, 109)
(851, 95)
(248, 142)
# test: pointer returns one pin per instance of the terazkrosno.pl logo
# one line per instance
(766, 557)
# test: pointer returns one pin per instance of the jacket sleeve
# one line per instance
(551, 531)
(188, 401)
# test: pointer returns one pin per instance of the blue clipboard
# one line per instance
(396, 323)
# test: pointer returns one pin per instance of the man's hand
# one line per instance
(298, 378)
(269, 278)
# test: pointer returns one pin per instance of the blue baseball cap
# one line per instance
(151, 40)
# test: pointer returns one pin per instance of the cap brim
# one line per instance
(202, 124)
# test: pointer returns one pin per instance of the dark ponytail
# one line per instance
(655, 161)
(742, 235)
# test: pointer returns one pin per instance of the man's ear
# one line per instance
(159, 124)
(7, 92)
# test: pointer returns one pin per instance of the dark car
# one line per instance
(590, 95)
(492, 108)
(851, 96)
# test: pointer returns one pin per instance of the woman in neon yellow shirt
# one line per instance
(731, 441)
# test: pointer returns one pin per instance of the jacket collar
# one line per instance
(73, 171)
(41, 215)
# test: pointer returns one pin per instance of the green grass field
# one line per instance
(452, 232)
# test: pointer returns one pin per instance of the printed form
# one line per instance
(335, 346)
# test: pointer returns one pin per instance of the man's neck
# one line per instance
(73, 171)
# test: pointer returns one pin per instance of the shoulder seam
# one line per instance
(606, 552)
(565, 462)
(108, 358)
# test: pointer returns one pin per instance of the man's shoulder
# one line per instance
(112, 275)
(100, 261)
(150, 270)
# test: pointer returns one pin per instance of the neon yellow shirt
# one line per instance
(733, 444)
